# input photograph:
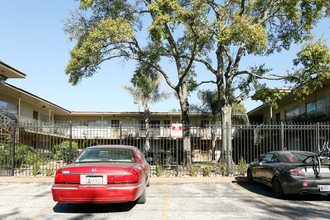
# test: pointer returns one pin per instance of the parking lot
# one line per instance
(166, 200)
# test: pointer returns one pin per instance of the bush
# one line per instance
(4, 155)
(242, 166)
(62, 151)
(159, 169)
(25, 155)
(206, 171)
(192, 171)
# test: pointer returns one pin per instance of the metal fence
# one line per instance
(28, 149)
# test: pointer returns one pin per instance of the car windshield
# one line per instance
(106, 155)
(296, 157)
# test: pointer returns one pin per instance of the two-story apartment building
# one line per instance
(315, 107)
(17, 104)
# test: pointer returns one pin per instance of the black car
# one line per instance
(292, 172)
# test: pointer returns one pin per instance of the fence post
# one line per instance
(227, 147)
(70, 142)
(282, 135)
(121, 132)
(318, 136)
(13, 149)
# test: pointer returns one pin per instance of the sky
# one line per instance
(33, 41)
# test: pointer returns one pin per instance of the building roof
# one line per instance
(10, 72)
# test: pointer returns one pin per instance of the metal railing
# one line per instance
(41, 148)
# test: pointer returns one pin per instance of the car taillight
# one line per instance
(296, 172)
(131, 177)
(59, 178)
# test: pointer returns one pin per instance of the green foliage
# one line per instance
(313, 68)
(206, 171)
(5, 155)
(223, 169)
(192, 171)
(63, 151)
(215, 34)
(270, 96)
(24, 155)
(159, 169)
(50, 172)
(242, 166)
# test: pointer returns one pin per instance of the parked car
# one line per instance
(103, 174)
(291, 172)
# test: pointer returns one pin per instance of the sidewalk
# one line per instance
(153, 180)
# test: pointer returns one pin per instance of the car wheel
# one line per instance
(249, 176)
(277, 188)
(142, 199)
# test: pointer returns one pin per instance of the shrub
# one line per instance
(206, 171)
(192, 171)
(62, 151)
(159, 169)
(25, 155)
(242, 166)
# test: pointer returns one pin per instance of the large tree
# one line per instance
(243, 29)
(182, 33)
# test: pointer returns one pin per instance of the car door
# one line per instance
(270, 168)
(265, 166)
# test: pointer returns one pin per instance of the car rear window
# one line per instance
(106, 155)
(295, 157)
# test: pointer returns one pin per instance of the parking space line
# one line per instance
(165, 203)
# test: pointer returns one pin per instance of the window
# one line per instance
(204, 123)
(35, 115)
(318, 105)
(44, 118)
(8, 107)
(167, 123)
(278, 116)
(115, 123)
(291, 113)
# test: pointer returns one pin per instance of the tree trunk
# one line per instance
(147, 125)
(227, 137)
(184, 104)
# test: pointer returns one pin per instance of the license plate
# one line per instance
(324, 188)
(92, 180)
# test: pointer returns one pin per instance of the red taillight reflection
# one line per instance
(305, 184)
(296, 172)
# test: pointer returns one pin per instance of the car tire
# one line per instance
(277, 188)
(142, 199)
(249, 176)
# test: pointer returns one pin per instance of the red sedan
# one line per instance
(103, 174)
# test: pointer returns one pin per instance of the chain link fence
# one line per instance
(31, 149)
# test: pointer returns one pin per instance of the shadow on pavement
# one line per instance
(260, 189)
(93, 208)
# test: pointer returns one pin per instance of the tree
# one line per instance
(146, 88)
(106, 30)
(211, 107)
(243, 29)
(312, 69)
(216, 35)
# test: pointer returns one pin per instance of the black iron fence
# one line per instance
(28, 149)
